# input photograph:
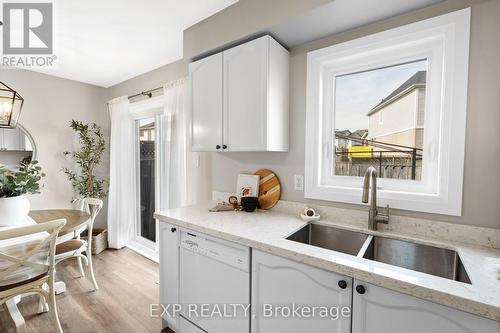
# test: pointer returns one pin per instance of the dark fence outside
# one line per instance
(391, 160)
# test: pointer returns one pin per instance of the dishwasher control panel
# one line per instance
(229, 253)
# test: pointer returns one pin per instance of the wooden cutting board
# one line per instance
(269, 189)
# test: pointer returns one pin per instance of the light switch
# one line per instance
(299, 182)
(197, 160)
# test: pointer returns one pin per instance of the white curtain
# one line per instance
(175, 99)
(122, 173)
(188, 173)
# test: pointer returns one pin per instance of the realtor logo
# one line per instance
(27, 36)
(27, 28)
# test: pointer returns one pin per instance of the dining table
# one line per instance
(76, 223)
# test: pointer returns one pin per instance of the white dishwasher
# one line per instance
(214, 283)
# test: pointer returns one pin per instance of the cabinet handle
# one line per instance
(217, 147)
(360, 289)
(224, 147)
(173, 229)
(342, 284)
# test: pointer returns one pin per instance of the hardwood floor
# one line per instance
(128, 285)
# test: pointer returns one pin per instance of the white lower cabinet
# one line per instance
(291, 297)
(169, 272)
(377, 310)
(278, 284)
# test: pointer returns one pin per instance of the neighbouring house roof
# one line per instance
(343, 132)
(357, 134)
(416, 80)
(360, 133)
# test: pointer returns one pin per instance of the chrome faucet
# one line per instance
(373, 216)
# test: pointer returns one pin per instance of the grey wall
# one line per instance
(240, 20)
(150, 80)
(50, 104)
(481, 203)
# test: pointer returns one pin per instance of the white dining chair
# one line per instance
(79, 248)
(27, 265)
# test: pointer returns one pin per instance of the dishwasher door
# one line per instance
(214, 283)
(187, 327)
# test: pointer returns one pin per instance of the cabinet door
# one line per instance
(169, 270)
(245, 96)
(281, 282)
(11, 139)
(382, 310)
(188, 327)
(206, 103)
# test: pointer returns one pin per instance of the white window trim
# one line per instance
(444, 42)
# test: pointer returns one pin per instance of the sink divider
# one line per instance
(365, 247)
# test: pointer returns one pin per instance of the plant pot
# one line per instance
(14, 210)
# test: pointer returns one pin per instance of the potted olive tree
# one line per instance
(92, 146)
(85, 183)
(14, 206)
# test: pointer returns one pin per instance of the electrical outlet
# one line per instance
(298, 182)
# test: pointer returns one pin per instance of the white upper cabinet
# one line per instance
(377, 309)
(206, 100)
(240, 98)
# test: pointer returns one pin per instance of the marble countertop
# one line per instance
(267, 230)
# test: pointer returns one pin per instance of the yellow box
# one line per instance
(360, 151)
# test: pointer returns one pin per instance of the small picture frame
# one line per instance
(248, 185)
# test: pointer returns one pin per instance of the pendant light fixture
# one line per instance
(11, 104)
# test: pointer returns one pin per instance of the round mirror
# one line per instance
(16, 146)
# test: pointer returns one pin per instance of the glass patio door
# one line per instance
(146, 178)
(149, 177)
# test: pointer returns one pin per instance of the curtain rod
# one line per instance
(148, 93)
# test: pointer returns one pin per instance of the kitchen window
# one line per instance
(396, 101)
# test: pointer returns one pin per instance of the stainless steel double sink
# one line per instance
(423, 258)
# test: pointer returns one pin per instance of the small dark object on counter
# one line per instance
(249, 204)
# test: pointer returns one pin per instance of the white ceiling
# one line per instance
(104, 42)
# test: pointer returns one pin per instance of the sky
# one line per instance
(356, 94)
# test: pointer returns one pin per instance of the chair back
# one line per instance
(28, 252)
(93, 206)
